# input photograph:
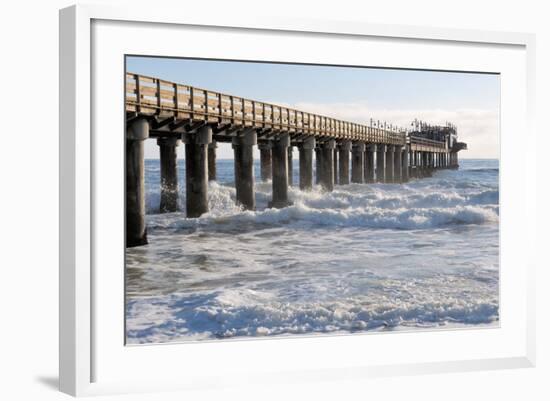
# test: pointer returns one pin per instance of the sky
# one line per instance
(469, 100)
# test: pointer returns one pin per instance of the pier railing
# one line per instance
(420, 144)
(153, 96)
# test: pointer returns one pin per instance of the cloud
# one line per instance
(479, 128)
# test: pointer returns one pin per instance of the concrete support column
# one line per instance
(168, 174)
(343, 162)
(390, 151)
(454, 160)
(327, 164)
(427, 156)
(318, 163)
(279, 155)
(306, 163)
(244, 169)
(411, 164)
(397, 164)
(265, 160)
(196, 170)
(358, 162)
(136, 231)
(335, 168)
(427, 166)
(212, 160)
(424, 161)
(290, 167)
(381, 163)
(370, 170)
(405, 164)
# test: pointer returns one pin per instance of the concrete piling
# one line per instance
(168, 174)
(343, 162)
(265, 160)
(290, 167)
(397, 163)
(318, 157)
(370, 170)
(306, 163)
(136, 231)
(390, 151)
(427, 164)
(358, 163)
(196, 170)
(381, 162)
(212, 160)
(279, 156)
(327, 164)
(405, 164)
(244, 169)
(335, 167)
(410, 169)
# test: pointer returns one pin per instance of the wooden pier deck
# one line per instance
(185, 104)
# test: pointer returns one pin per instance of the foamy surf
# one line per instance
(361, 258)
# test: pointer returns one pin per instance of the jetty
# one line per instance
(345, 151)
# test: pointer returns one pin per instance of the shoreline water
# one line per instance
(422, 254)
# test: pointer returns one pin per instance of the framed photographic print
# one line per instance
(290, 200)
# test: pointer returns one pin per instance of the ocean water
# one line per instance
(377, 257)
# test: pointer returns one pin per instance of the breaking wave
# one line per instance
(406, 207)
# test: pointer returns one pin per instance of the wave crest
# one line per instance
(375, 206)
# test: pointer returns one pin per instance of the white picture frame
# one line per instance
(88, 336)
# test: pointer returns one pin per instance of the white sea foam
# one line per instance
(352, 205)
(244, 312)
(361, 258)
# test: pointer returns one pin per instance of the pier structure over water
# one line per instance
(345, 152)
